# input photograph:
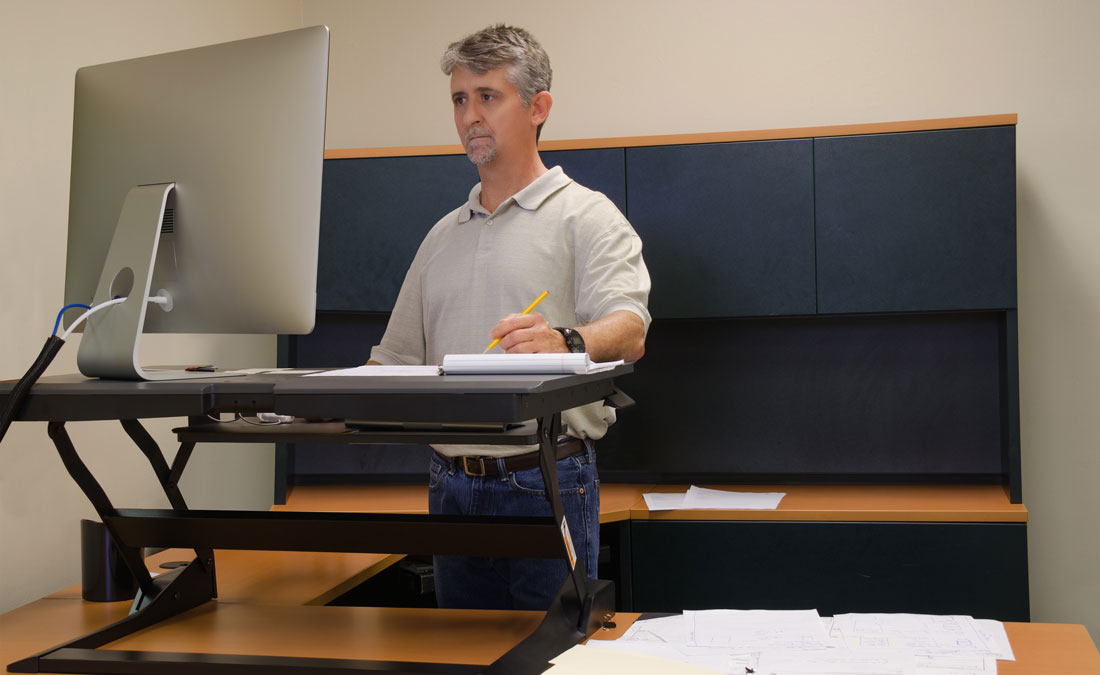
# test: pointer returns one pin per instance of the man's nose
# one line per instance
(472, 114)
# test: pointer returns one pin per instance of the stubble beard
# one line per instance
(482, 152)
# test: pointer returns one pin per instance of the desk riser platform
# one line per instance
(506, 400)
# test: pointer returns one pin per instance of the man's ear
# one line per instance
(540, 107)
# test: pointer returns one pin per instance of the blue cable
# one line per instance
(63, 309)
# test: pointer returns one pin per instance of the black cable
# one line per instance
(23, 387)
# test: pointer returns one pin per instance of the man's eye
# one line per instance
(459, 100)
(486, 97)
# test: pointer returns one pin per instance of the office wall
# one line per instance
(41, 46)
(635, 67)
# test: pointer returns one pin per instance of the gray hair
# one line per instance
(503, 46)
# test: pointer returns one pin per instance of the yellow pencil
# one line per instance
(530, 307)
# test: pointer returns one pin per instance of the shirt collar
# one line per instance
(529, 198)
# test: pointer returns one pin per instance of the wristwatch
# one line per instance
(573, 340)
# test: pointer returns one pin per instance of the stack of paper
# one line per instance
(756, 630)
(924, 634)
(537, 364)
(802, 643)
(723, 641)
(703, 498)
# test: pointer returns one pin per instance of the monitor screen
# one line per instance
(235, 133)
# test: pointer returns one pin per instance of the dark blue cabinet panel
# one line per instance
(727, 229)
(374, 214)
(978, 569)
(602, 170)
(376, 211)
(823, 399)
(916, 221)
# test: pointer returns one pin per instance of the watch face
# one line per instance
(573, 341)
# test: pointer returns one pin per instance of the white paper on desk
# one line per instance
(667, 637)
(380, 371)
(924, 634)
(704, 498)
(956, 665)
(536, 364)
(996, 638)
(757, 630)
(836, 662)
(270, 371)
(666, 629)
(714, 660)
(664, 501)
(588, 659)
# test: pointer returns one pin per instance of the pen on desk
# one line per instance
(530, 307)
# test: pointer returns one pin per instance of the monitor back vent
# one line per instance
(168, 224)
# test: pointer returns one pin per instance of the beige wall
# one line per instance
(623, 67)
(41, 46)
(633, 67)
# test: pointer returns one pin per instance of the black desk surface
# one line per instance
(452, 398)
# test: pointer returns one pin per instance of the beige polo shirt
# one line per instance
(475, 267)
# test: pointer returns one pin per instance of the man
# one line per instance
(523, 230)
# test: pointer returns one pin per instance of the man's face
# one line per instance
(489, 116)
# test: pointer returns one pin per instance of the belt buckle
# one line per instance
(466, 465)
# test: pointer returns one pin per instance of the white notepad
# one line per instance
(538, 364)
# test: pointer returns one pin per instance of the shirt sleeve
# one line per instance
(611, 274)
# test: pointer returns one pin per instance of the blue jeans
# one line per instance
(463, 582)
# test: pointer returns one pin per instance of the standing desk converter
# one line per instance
(496, 409)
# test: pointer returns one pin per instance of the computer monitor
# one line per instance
(196, 175)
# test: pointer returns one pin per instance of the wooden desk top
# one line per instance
(276, 577)
(1050, 648)
(467, 636)
(33, 628)
(862, 503)
(377, 633)
(623, 501)
(357, 498)
(616, 499)
(433, 635)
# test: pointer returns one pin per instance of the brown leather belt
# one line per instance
(488, 466)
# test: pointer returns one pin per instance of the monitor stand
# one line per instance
(109, 348)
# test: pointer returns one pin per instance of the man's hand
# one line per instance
(619, 335)
(528, 334)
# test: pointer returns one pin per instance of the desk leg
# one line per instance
(581, 604)
(549, 428)
(96, 495)
(169, 480)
